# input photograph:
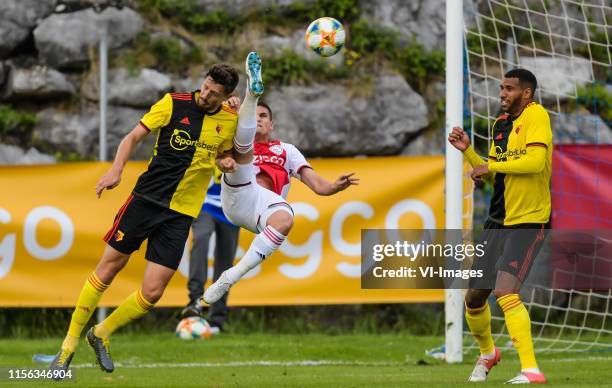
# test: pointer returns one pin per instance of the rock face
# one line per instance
(558, 76)
(39, 82)
(141, 90)
(236, 7)
(580, 127)
(79, 132)
(423, 20)
(484, 96)
(428, 142)
(63, 40)
(324, 119)
(43, 55)
(17, 18)
(189, 84)
(10, 154)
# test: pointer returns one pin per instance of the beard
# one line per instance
(513, 106)
(207, 106)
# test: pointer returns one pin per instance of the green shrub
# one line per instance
(164, 53)
(290, 68)
(71, 157)
(16, 127)
(168, 8)
(598, 48)
(194, 18)
(189, 14)
(285, 69)
(597, 99)
(419, 66)
(300, 11)
(416, 64)
(217, 21)
(371, 40)
(171, 56)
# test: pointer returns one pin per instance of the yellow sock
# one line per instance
(86, 304)
(133, 307)
(479, 322)
(519, 328)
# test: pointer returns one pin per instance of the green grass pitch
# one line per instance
(265, 360)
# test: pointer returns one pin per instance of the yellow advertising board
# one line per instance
(52, 224)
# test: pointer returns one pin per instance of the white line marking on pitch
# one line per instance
(579, 359)
(249, 363)
(295, 363)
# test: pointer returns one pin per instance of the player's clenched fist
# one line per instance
(226, 163)
(459, 139)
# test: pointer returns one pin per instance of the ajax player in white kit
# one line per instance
(253, 194)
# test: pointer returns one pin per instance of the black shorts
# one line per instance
(165, 229)
(509, 249)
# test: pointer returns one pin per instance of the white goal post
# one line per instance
(453, 305)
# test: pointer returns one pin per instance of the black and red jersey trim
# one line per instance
(181, 96)
(537, 145)
(303, 166)
(144, 126)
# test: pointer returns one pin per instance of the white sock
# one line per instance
(243, 174)
(264, 244)
(246, 114)
(247, 124)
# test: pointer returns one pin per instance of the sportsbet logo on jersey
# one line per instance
(502, 155)
(181, 140)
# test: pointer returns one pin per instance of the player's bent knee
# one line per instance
(111, 263)
(281, 221)
(476, 298)
(153, 292)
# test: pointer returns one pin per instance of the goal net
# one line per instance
(566, 44)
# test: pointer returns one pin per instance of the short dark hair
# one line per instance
(261, 103)
(224, 75)
(526, 79)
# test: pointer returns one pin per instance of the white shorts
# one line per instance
(249, 205)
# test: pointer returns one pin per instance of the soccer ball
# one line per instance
(325, 36)
(193, 328)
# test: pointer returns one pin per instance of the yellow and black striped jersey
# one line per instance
(521, 157)
(183, 161)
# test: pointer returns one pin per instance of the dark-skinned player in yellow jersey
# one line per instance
(520, 158)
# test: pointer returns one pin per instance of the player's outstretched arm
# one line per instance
(321, 186)
(111, 179)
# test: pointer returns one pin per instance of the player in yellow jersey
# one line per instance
(521, 158)
(191, 129)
